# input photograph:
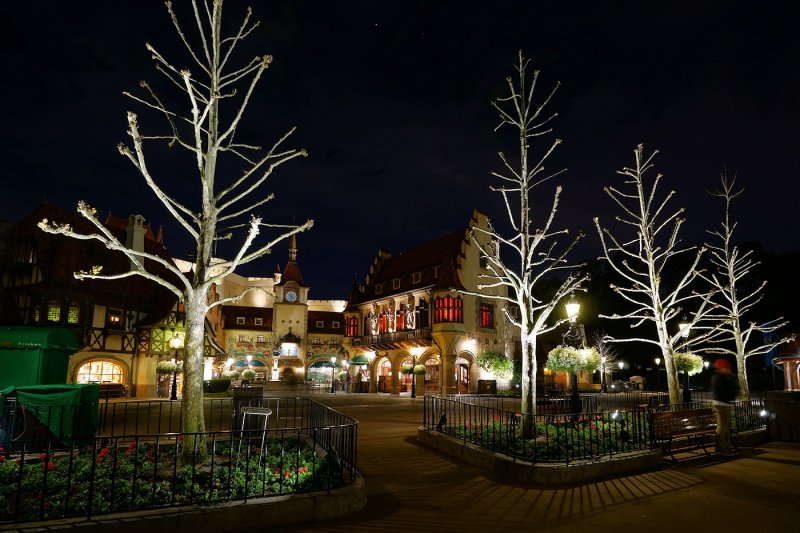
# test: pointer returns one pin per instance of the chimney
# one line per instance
(134, 234)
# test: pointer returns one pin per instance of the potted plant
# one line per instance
(573, 360)
(230, 374)
(690, 364)
(166, 367)
(248, 376)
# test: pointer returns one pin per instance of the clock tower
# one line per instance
(291, 303)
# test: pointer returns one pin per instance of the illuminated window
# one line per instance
(54, 311)
(260, 338)
(352, 327)
(486, 315)
(74, 313)
(241, 338)
(114, 318)
(100, 372)
(400, 320)
(448, 309)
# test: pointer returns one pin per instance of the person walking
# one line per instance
(724, 388)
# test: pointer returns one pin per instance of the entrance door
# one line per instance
(462, 377)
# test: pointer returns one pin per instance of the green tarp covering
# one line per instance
(69, 411)
(34, 356)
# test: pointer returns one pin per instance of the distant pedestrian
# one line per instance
(724, 388)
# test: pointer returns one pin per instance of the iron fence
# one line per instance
(548, 438)
(305, 447)
(556, 436)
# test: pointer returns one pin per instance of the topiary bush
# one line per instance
(420, 370)
(407, 369)
(249, 374)
(216, 385)
(231, 374)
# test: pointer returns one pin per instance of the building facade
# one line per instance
(419, 308)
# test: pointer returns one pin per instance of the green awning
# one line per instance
(359, 360)
(21, 338)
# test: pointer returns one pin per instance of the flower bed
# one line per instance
(142, 475)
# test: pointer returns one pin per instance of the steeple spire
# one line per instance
(293, 248)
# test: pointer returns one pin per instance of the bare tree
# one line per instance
(732, 266)
(206, 128)
(641, 261)
(534, 252)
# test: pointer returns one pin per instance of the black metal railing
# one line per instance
(549, 438)
(557, 436)
(306, 447)
(396, 336)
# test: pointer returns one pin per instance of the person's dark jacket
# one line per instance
(724, 387)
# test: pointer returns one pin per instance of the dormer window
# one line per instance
(320, 324)
(240, 321)
(436, 272)
(259, 321)
(114, 318)
(416, 277)
(396, 283)
(378, 288)
(335, 325)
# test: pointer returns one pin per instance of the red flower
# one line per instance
(132, 445)
(2, 459)
(103, 452)
(42, 456)
(302, 470)
(48, 467)
(287, 474)
(98, 460)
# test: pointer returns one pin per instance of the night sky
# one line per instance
(391, 99)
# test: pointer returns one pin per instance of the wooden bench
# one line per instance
(687, 426)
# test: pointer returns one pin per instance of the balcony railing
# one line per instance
(393, 338)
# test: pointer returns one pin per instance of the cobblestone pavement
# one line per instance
(413, 488)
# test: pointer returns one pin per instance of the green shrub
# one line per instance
(216, 385)
(166, 367)
(496, 363)
(249, 374)
(231, 374)
(569, 359)
(420, 370)
(688, 362)
(407, 369)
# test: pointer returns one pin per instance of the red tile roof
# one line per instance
(249, 313)
(437, 263)
(327, 318)
(59, 257)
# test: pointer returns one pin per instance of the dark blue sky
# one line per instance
(391, 99)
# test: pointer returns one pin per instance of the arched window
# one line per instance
(448, 309)
(99, 371)
(382, 322)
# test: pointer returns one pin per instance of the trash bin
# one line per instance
(487, 386)
(783, 422)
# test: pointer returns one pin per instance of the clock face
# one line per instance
(291, 296)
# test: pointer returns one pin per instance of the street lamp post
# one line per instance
(621, 372)
(603, 373)
(658, 374)
(176, 342)
(333, 370)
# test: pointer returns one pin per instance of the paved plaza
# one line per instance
(413, 488)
